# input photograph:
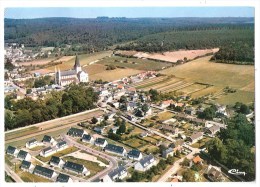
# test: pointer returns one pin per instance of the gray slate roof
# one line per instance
(32, 141)
(86, 137)
(118, 171)
(43, 171)
(134, 153)
(146, 160)
(100, 141)
(62, 178)
(68, 73)
(25, 164)
(46, 138)
(10, 150)
(55, 160)
(74, 167)
(114, 148)
(75, 132)
(61, 144)
(47, 149)
(22, 154)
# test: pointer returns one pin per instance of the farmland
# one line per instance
(134, 63)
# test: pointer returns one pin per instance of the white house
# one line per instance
(32, 143)
(145, 163)
(101, 142)
(12, 151)
(118, 173)
(27, 166)
(47, 152)
(56, 162)
(23, 155)
(135, 154)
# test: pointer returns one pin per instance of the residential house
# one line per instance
(56, 161)
(170, 121)
(48, 139)
(87, 139)
(197, 160)
(190, 111)
(209, 124)
(177, 145)
(165, 104)
(23, 155)
(61, 145)
(214, 174)
(114, 129)
(195, 137)
(74, 132)
(115, 149)
(99, 130)
(44, 172)
(27, 166)
(12, 151)
(76, 168)
(110, 116)
(145, 163)
(212, 130)
(47, 152)
(63, 178)
(167, 152)
(101, 142)
(135, 154)
(32, 143)
(117, 174)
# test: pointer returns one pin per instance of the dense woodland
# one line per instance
(74, 99)
(147, 34)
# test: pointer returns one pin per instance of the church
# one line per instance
(75, 75)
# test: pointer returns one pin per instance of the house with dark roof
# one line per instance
(116, 174)
(135, 154)
(168, 152)
(76, 168)
(56, 162)
(74, 132)
(115, 149)
(212, 130)
(145, 163)
(214, 174)
(44, 172)
(101, 142)
(12, 151)
(63, 178)
(170, 128)
(99, 130)
(195, 137)
(27, 166)
(61, 145)
(23, 155)
(47, 152)
(48, 139)
(87, 139)
(31, 143)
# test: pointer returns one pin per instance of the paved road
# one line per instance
(176, 166)
(112, 160)
(148, 129)
(12, 174)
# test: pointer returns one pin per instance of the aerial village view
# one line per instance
(129, 99)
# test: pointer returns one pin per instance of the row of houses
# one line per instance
(19, 154)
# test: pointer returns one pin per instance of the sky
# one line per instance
(130, 12)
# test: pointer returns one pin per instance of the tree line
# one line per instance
(74, 99)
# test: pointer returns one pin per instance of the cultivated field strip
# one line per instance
(169, 86)
(193, 88)
(148, 81)
(177, 88)
(162, 84)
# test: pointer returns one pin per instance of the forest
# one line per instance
(74, 99)
(147, 33)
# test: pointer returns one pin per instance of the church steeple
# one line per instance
(77, 66)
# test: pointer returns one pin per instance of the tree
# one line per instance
(9, 120)
(123, 99)
(122, 129)
(6, 76)
(185, 162)
(9, 65)
(94, 120)
(244, 109)
(188, 175)
(145, 108)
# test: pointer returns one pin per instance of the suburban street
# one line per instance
(112, 161)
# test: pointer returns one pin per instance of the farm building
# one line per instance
(32, 143)
(27, 166)
(87, 139)
(118, 173)
(76, 168)
(47, 152)
(115, 149)
(63, 178)
(44, 172)
(135, 154)
(12, 151)
(145, 163)
(101, 142)
(56, 161)
(48, 139)
(74, 132)
(23, 155)
(75, 75)
(195, 137)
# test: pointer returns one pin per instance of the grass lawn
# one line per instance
(37, 148)
(135, 142)
(7, 160)
(202, 143)
(165, 115)
(240, 96)
(93, 167)
(20, 133)
(28, 177)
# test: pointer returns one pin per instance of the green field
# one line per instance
(134, 63)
